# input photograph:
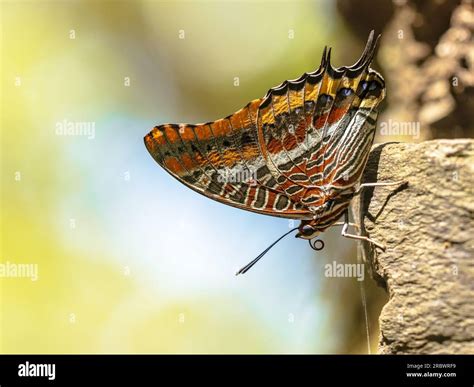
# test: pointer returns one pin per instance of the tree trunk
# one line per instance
(427, 227)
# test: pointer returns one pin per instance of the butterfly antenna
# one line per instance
(248, 266)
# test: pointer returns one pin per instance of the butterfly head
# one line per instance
(307, 230)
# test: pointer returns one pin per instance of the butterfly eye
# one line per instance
(307, 229)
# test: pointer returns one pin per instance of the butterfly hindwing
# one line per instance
(309, 126)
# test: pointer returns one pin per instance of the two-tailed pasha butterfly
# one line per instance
(301, 148)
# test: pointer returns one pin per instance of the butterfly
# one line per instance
(297, 153)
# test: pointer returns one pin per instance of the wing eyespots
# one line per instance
(324, 99)
(374, 85)
(374, 89)
(369, 89)
(345, 92)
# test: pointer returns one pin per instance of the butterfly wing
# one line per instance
(349, 126)
(316, 131)
(286, 134)
(222, 161)
(279, 154)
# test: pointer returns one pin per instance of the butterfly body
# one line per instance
(298, 152)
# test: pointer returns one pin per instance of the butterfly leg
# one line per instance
(343, 223)
(345, 234)
(380, 184)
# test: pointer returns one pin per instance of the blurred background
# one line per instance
(131, 261)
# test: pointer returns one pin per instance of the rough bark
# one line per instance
(427, 227)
